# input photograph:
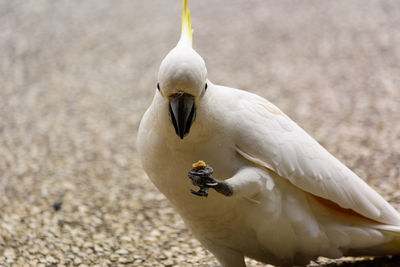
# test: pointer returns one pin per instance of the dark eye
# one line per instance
(158, 86)
(205, 87)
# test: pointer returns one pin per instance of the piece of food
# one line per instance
(200, 165)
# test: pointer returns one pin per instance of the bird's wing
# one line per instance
(269, 138)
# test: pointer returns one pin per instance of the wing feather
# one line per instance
(269, 138)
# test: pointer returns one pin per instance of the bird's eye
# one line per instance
(205, 87)
(158, 86)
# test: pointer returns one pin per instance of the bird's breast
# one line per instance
(167, 162)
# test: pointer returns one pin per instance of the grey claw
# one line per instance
(204, 180)
(203, 192)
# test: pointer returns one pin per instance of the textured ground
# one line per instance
(76, 76)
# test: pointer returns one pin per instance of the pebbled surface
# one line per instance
(75, 78)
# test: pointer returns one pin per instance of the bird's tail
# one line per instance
(389, 228)
(391, 247)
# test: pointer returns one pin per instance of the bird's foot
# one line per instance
(203, 179)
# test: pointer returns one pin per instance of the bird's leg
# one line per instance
(203, 179)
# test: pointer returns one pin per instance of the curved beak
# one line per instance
(182, 112)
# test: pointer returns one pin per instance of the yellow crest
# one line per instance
(186, 25)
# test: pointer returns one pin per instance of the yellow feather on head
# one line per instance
(186, 25)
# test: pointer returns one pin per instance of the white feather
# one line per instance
(276, 169)
(290, 152)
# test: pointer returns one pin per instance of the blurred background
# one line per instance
(76, 77)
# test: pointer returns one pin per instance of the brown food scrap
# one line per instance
(200, 165)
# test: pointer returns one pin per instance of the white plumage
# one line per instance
(292, 200)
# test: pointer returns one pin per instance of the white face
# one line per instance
(182, 71)
(182, 80)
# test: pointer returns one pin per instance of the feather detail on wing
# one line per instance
(268, 138)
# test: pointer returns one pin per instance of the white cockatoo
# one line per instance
(278, 196)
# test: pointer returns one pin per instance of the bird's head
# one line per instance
(182, 79)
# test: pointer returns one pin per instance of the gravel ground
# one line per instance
(76, 76)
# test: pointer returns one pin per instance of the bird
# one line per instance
(270, 191)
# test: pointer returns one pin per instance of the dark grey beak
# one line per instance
(182, 112)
